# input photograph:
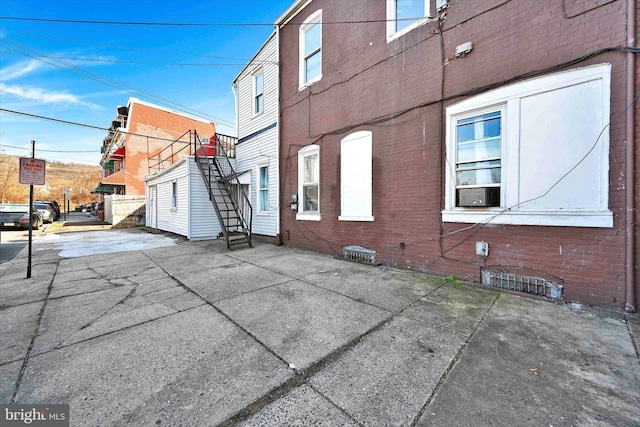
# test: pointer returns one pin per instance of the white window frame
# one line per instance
(314, 18)
(254, 92)
(361, 185)
(302, 154)
(260, 189)
(174, 195)
(392, 34)
(512, 210)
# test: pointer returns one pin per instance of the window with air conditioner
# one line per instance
(532, 153)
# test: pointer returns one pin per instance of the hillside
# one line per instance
(80, 178)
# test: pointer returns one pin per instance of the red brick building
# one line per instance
(140, 140)
(486, 140)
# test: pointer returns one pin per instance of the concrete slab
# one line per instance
(391, 289)
(104, 242)
(192, 368)
(229, 281)
(457, 307)
(299, 264)
(183, 248)
(155, 285)
(17, 326)
(131, 270)
(8, 376)
(65, 316)
(536, 363)
(193, 263)
(63, 288)
(16, 289)
(260, 251)
(103, 260)
(300, 407)
(300, 322)
(387, 378)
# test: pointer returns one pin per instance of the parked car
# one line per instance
(23, 221)
(47, 211)
(83, 208)
(54, 205)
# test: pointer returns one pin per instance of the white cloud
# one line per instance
(42, 95)
(19, 69)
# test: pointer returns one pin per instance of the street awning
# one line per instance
(118, 154)
(103, 189)
(108, 164)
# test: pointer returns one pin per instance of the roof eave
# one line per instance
(292, 11)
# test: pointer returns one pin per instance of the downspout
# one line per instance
(630, 299)
(279, 198)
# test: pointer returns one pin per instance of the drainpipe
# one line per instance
(630, 299)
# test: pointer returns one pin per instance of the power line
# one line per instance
(195, 24)
(108, 82)
(163, 52)
(66, 122)
(118, 61)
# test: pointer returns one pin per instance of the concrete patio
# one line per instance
(187, 333)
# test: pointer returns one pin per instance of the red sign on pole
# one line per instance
(32, 171)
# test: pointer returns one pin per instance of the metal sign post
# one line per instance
(32, 172)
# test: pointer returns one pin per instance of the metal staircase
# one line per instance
(220, 178)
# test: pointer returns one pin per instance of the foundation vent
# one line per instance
(359, 254)
(520, 283)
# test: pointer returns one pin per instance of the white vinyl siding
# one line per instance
(554, 151)
(266, 60)
(195, 217)
(261, 149)
(356, 177)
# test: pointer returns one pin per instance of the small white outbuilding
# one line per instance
(178, 202)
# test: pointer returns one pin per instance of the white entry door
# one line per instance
(153, 207)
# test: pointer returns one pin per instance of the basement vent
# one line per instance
(359, 254)
(527, 284)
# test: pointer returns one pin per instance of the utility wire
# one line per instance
(194, 24)
(65, 122)
(106, 81)
(118, 61)
(163, 52)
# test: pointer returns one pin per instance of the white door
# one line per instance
(153, 207)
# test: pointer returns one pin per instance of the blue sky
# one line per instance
(127, 57)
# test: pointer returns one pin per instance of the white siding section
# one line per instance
(266, 59)
(169, 219)
(204, 221)
(195, 216)
(261, 149)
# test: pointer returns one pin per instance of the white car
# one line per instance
(48, 214)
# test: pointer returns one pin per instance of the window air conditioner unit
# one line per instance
(483, 197)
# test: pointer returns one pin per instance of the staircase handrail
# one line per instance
(227, 174)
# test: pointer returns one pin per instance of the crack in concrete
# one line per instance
(33, 338)
(453, 362)
(335, 405)
(634, 341)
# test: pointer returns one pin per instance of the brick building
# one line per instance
(138, 135)
(485, 140)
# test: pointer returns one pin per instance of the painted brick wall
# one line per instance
(366, 78)
(161, 124)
